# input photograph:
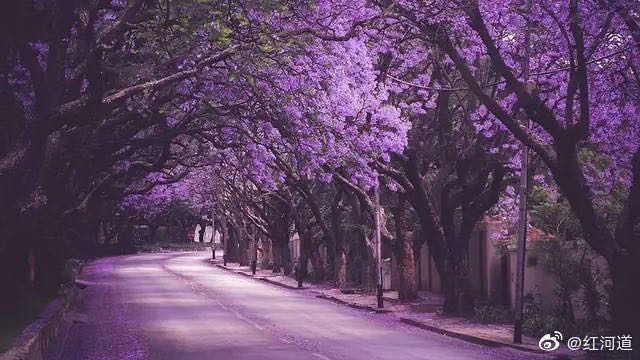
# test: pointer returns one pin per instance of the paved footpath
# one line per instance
(179, 306)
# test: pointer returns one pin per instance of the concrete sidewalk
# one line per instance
(424, 313)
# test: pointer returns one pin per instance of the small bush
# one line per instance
(536, 322)
(491, 314)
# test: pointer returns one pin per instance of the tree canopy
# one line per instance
(287, 114)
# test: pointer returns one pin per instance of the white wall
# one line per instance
(207, 234)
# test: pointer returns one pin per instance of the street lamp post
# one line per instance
(521, 249)
(523, 190)
(378, 246)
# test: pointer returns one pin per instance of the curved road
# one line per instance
(178, 306)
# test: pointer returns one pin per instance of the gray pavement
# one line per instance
(179, 306)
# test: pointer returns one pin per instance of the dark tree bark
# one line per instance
(403, 251)
(203, 229)
(340, 278)
(279, 221)
(338, 254)
(243, 242)
(276, 254)
(456, 286)
(319, 271)
(232, 242)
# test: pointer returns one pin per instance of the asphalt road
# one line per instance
(178, 306)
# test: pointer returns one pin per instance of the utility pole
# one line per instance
(524, 185)
(378, 246)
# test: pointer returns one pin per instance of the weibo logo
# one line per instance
(550, 342)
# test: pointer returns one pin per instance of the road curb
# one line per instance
(223, 267)
(331, 298)
(35, 338)
(265, 279)
(352, 305)
(261, 278)
(468, 338)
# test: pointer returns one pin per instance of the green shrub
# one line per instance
(492, 314)
(536, 322)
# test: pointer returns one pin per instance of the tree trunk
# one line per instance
(408, 285)
(318, 265)
(232, 243)
(225, 238)
(276, 253)
(243, 242)
(456, 287)
(403, 249)
(306, 248)
(280, 246)
(243, 245)
(340, 273)
(254, 251)
(302, 268)
(203, 229)
(369, 276)
(625, 296)
(329, 261)
(285, 253)
(369, 284)
(266, 259)
(337, 256)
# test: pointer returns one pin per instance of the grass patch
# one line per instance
(492, 314)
